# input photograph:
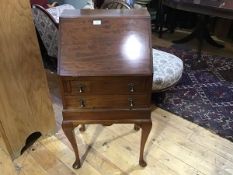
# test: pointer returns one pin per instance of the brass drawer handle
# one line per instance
(131, 87)
(131, 103)
(81, 88)
(82, 103)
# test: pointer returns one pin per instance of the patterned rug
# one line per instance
(205, 96)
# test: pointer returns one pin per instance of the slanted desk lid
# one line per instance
(105, 43)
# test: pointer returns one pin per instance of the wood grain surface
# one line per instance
(107, 101)
(106, 85)
(118, 44)
(25, 104)
(175, 147)
(104, 58)
(218, 8)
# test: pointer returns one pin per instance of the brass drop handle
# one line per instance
(131, 87)
(82, 103)
(131, 103)
(81, 88)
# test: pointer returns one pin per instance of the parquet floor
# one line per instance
(175, 147)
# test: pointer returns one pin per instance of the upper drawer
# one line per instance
(106, 85)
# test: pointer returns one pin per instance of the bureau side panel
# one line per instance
(24, 97)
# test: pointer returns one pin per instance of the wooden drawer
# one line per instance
(89, 115)
(106, 85)
(106, 101)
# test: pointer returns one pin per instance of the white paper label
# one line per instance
(96, 22)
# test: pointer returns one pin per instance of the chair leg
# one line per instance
(172, 20)
(82, 128)
(158, 97)
(136, 127)
(160, 18)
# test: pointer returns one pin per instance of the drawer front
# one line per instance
(107, 85)
(106, 101)
(105, 114)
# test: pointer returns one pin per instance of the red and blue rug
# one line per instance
(204, 96)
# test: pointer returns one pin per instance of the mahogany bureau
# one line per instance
(105, 69)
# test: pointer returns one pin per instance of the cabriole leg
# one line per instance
(68, 129)
(146, 128)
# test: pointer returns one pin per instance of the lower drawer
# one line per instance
(116, 116)
(106, 101)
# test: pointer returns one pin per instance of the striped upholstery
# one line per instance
(47, 29)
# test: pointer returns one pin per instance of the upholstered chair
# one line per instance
(115, 4)
(168, 70)
(47, 33)
(143, 3)
(47, 22)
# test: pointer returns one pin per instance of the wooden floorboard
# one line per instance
(175, 147)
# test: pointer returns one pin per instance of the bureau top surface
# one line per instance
(104, 43)
(84, 13)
